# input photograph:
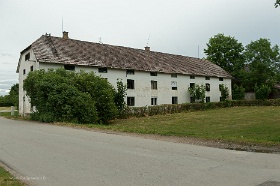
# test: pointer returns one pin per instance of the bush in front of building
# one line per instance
(67, 96)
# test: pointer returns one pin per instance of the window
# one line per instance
(31, 68)
(174, 75)
(154, 84)
(27, 56)
(207, 99)
(153, 73)
(69, 67)
(221, 79)
(130, 101)
(129, 71)
(24, 72)
(207, 78)
(153, 101)
(207, 87)
(192, 85)
(130, 84)
(192, 77)
(102, 70)
(221, 99)
(174, 100)
(174, 85)
(192, 99)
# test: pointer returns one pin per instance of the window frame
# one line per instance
(207, 87)
(153, 73)
(102, 70)
(153, 85)
(154, 101)
(130, 84)
(130, 101)
(70, 67)
(174, 100)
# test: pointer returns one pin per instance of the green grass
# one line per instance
(5, 108)
(246, 125)
(7, 179)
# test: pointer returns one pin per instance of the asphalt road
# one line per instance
(53, 155)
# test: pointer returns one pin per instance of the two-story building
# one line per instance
(152, 78)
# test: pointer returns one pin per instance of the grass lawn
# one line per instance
(246, 125)
(7, 179)
(7, 114)
(5, 108)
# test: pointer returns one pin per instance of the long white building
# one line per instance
(152, 78)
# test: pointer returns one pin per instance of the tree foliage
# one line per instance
(198, 92)
(67, 96)
(262, 64)
(262, 92)
(224, 92)
(120, 94)
(12, 98)
(238, 92)
(226, 52)
(277, 3)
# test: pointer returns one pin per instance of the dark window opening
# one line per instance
(130, 84)
(31, 68)
(153, 73)
(154, 84)
(27, 56)
(207, 99)
(192, 99)
(192, 85)
(153, 101)
(174, 75)
(174, 100)
(174, 88)
(129, 71)
(130, 101)
(221, 79)
(207, 87)
(207, 78)
(24, 72)
(102, 70)
(69, 67)
(192, 77)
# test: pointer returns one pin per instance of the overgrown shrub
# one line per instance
(61, 95)
(238, 92)
(224, 92)
(262, 92)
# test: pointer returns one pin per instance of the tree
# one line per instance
(198, 92)
(14, 93)
(262, 62)
(277, 3)
(262, 92)
(238, 92)
(120, 94)
(224, 92)
(226, 52)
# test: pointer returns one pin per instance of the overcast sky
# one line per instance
(172, 26)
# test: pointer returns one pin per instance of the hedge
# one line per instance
(177, 108)
(6, 104)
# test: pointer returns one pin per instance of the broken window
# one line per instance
(69, 67)
(27, 56)
(153, 101)
(174, 85)
(207, 87)
(174, 100)
(153, 73)
(102, 70)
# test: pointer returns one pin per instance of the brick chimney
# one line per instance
(65, 35)
(147, 48)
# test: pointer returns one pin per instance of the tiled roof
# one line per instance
(49, 49)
